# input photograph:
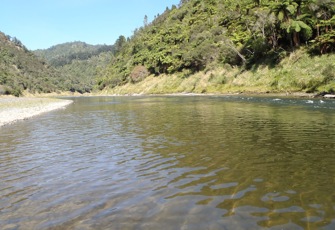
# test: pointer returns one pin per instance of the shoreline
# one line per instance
(293, 95)
(245, 93)
(14, 109)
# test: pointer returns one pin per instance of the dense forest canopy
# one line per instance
(204, 34)
(21, 70)
(79, 62)
(195, 36)
(72, 66)
(66, 53)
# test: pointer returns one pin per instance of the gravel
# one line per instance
(13, 109)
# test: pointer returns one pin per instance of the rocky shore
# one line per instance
(13, 109)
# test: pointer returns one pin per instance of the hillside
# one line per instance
(198, 46)
(296, 73)
(66, 53)
(21, 70)
(78, 61)
(236, 41)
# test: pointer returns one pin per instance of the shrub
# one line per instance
(324, 43)
(328, 73)
(138, 74)
(218, 79)
(7, 90)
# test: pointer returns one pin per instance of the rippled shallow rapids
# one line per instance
(173, 162)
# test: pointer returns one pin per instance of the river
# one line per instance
(171, 162)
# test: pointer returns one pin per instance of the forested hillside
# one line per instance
(78, 61)
(203, 35)
(213, 45)
(21, 70)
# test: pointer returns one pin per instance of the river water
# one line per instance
(172, 162)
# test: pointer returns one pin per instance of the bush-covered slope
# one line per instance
(21, 70)
(66, 53)
(296, 73)
(78, 61)
(203, 35)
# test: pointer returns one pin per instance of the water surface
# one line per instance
(173, 162)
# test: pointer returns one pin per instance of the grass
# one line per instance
(297, 72)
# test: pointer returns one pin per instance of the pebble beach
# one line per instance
(13, 109)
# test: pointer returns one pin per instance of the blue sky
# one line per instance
(40, 24)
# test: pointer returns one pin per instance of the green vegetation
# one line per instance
(78, 62)
(231, 45)
(63, 54)
(66, 67)
(199, 46)
(296, 73)
(21, 70)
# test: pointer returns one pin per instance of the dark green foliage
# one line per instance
(329, 74)
(21, 70)
(72, 67)
(63, 54)
(324, 43)
(80, 62)
(198, 35)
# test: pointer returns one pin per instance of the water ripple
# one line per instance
(172, 163)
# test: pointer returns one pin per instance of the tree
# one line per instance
(291, 20)
(322, 12)
(203, 33)
(145, 21)
(119, 43)
(182, 2)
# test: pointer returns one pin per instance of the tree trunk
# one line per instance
(296, 39)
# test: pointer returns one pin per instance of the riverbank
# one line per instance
(118, 91)
(200, 85)
(297, 73)
(13, 109)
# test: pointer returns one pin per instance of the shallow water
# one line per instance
(173, 162)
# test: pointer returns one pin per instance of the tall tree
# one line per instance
(145, 21)
(291, 19)
(119, 43)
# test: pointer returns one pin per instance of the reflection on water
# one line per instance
(171, 163)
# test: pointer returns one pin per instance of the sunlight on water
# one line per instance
(175, 162)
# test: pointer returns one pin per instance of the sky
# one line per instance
(40, 24)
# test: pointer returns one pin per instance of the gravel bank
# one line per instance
(13, 109)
